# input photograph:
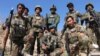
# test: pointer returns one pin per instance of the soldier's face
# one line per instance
(38, 11)
(89, 8)
(25, 11)
(20, 9)
(52, 30)
(71, 8)
(52, 11)
(70, 21)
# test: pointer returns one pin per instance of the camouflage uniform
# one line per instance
(37, 28)
(28, 17)
(17, 32)
(90, 31)
(53, 19)
(54, 44)
(77, 43)
(74, 14)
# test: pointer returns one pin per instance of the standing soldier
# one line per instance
(51, 44)
(17, 31)
(92, 23)
(28, 17)
(76, 39)
(37, 22)
(72, 12)
(53, 18)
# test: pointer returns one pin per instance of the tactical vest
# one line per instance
(72, 35)
(74, 15)
(37, 21)
(51, 41)
(52, 19)
(18, 27)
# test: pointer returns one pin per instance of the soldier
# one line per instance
(92, 23)
(73, 12)
(51, 44)
(53, 18)
(17, 31)
(37, 22)
(28, 17)
(76, 39)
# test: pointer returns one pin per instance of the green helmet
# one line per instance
(89, 4)
(38, 6)
(53, 7)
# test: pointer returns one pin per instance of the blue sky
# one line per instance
(6, 5)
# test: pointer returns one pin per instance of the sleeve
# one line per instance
(79, 14)
(85, 16)
(33, 21)
(43, 22)
(7, 22)
(60, 43)
(57, 19)
(44, 40)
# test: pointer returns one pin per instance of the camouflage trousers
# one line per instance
(91, 35)
(30, 45)
(97, 33)
(74, 50)
(17, 47)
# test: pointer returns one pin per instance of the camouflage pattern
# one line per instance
(53, 43)
(53, 20)
(28, 17)
(74, 14)
(91, 32)
(18, 26)
(87, 17)
(37, 23)
(78, 40)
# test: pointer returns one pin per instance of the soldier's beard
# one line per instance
(71, 26)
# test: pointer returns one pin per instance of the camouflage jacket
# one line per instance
(76, 34)
(37, 23)
(52, 41)
(28, 17)
(74, 14)
(18, 25)
(53, 20)
(87, 17)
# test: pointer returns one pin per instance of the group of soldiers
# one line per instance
(24, 30)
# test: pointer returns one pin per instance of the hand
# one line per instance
(44, 46)
(62, 50)
(28, 38)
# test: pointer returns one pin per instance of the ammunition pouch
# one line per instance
(18, 33)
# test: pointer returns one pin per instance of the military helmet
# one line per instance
(89, 4)
(38, 6)
(53, 7)
(70, 5)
